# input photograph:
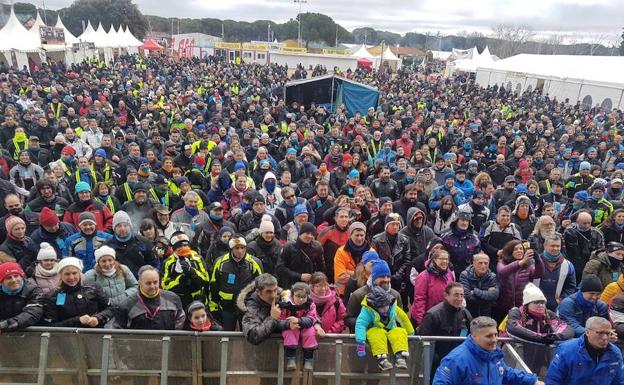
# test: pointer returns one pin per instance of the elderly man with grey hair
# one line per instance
(590, 358)
(479, 360)
(190, 214)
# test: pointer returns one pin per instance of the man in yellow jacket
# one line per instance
(184, 272)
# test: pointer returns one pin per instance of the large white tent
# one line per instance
(16, 42)
(470, 60)
(362, 53)
(594, 80)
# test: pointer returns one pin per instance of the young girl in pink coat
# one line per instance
(298, 308)
(430, 284)
(328, 304)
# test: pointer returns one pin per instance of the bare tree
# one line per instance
(511, 38)
(595, 41)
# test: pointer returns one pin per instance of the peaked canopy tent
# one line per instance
(18, 44)
(593, 80)
(330, 91)
(388, 57)
(151, 45)
(471, 61)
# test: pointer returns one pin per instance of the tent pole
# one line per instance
(332, 96)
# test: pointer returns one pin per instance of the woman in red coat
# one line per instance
(430, 284)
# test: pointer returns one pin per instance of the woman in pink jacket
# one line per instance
(329, 306)
(430, 284)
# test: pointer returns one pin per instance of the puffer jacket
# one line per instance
(462, 245)
(298, 258)
(479, 299)
(266, 253)
(398, 258)
(600, 265)
(494, 237)
(469, 364)
(420, 238)
(613, 290)
(118, 287)
(332, 312)
(134, 253)
(56, 240)
(83, 247)
(258, 325)
(572, 365)
(66, 305)
(22, 310)
(429, 290)
(132, 314)
(332, 238)
(25, 252)
(512, 279)
(575, 310)
(523, 326)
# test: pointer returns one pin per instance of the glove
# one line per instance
(186, 266)
(361, 350)
(549, 339)
(306, 322)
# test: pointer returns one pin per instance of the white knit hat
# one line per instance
(46, 252)
(532, 293)
(266, 226)
(236, 241)
(121, 217)
(70, 261)
(104, 250)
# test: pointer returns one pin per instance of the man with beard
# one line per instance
(420, 236)
(14, 207)
(25, 173)
(580, 240)
(348, 256)
(139, 207)
(409, 199)
(47, 198)
(385, 186)
(380, 276)
(321, 202)
(297, 171)
(479, 214)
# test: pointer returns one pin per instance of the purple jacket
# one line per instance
(512, 278)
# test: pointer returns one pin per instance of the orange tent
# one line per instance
(151, 45)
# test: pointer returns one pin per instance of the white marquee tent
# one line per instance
(362, 53)
(470, 60)
(16, 42)
(594, 80)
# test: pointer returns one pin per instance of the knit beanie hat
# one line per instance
(392, 218)
(226, 229)
(121, 217)
(380, 269)
(356, 226)
(69, 261)
(449, 175)
(46, 252)
(591, 283)
(100, 152)
(585, 166)
(48, 218)
(86, 216)
(69, 150)
(582, 195)
(532, 293)
(82, 186)
(235, 241)
(300, 209)
(13, 221)
(368, 256)
(266, 226)
(307, 227)
(10, 268)
(104, 250)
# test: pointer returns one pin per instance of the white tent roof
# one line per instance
(69, 37)
(485, 59)
(101, 37)
(88, 35)
(606, 69)
(132, 41)
(388, 55)
(38, 23)
(15, 36)
(362, 52)
(441, 55)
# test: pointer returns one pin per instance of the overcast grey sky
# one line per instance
(583, 17)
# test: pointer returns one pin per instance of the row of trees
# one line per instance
(505, 40)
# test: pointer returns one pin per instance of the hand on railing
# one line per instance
(361, 350)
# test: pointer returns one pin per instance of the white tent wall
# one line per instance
(600, 93)
(307, 60)
(562, 89)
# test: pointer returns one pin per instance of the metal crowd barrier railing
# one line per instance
(104, 356)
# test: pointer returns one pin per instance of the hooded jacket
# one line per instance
(274, 198)
(267, 253)
(600, 265)
(22, 310)
(462, 245)
(527, 224)
(419, 238)
(257, 323)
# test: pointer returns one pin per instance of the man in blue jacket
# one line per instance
(576, 309)
(588, 359)
(479, 360)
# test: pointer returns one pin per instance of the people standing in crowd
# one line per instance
(115, 279)
(559, 280)
(430, 284)
(21, 301)
(481, 286)
(45, 274)
(576, 309)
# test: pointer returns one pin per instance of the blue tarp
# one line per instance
(358, 98)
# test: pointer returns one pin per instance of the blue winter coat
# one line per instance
(467, 187)
(79, 246)
(574, 314)
(440, 192)
(572, 365)
(469, 364)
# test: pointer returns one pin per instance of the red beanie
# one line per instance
(48, 218)
(69, 149)
(10, 268)
(347, 157)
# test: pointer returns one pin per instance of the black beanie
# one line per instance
(307, 227)
(591, 283)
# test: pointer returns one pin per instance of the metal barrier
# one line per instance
(104, 356)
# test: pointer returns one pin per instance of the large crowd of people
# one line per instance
(153, 193)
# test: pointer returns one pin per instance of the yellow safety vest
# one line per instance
(78, 179)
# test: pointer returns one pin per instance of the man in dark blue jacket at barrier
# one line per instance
(588, 359)
(479, 360)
